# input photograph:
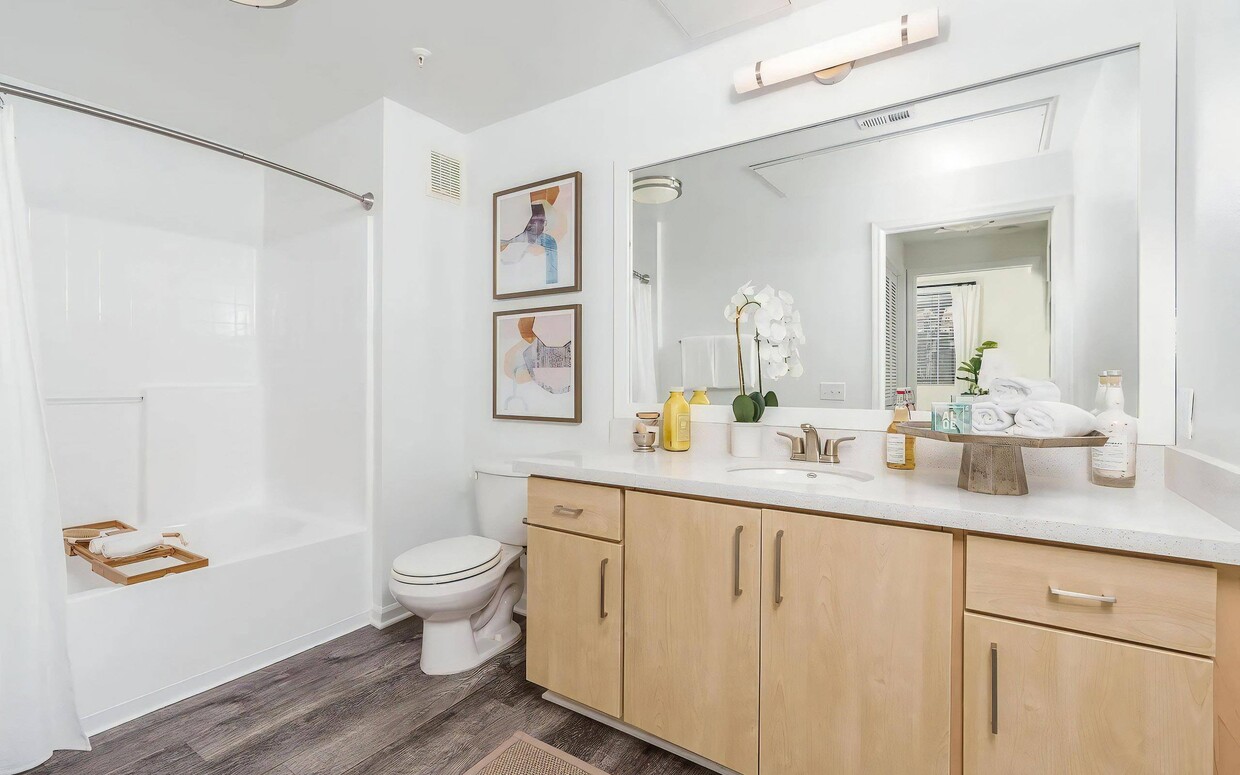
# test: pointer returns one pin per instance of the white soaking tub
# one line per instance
(279, 582)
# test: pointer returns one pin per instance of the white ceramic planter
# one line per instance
(746, 439)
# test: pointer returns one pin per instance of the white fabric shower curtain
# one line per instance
(37, 710)
(966, 320)
(641, 349)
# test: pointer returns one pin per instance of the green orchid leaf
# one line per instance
(744, 409)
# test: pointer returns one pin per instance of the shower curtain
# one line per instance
(641, 350)
(37, 710)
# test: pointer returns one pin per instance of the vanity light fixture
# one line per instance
(656, 189)
(832, 60)
(265, 3)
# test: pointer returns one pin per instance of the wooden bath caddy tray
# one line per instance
(109, 567)
(993, 465)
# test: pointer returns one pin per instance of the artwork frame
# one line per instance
(508, 208)
(506, 348)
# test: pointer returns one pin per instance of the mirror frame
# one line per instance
(1156, 260)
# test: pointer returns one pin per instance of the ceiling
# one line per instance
(255, 77)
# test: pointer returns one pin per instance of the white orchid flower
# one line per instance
(778, 328)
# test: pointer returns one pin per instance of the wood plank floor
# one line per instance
(358, 705)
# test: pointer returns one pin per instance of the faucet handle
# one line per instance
(798, 443)
(833, 445)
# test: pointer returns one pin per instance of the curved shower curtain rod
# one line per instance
(367, 200)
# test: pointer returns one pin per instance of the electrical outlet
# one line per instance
(831, 391)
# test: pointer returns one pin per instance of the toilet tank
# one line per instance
(499, 494)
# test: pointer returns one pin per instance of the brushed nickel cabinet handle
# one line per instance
(779, 567)
(602, 589)
(1104, 599)
(736, 561)
(565, 511)
(994, 688)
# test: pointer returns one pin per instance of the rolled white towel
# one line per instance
(131, 543)
(990, 419)
(1011, 393)
(1051, 419)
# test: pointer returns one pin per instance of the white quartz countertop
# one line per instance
(1149, 518)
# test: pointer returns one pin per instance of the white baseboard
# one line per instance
(382, 618)
(140, 706)
(1206, 482)
(633, 731)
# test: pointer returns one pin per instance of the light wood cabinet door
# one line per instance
(575, 617)
(856, 647)
(1039, 701)
(691, 625)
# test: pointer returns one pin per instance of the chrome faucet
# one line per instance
(811, 449)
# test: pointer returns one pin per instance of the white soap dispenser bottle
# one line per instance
(1114, 464)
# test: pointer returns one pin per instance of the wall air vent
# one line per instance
(875, 120)
(445, 178)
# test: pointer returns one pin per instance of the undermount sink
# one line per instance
(789, 474)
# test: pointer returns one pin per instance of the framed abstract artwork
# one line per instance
(537, 359)
(536, 230)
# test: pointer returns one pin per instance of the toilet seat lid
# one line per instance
(449, 557)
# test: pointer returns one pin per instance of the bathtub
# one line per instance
(279, 582)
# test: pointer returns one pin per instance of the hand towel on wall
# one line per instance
(697, 361)
(989, 419)
(1011, 393)
(1051, 419)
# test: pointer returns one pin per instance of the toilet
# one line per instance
(464, 588)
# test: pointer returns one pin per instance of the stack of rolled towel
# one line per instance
(132, 543)
(1029, 407)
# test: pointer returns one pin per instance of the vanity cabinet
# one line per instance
(574, 622)
(785, 643)
(856, 647)
(691, 623)
(1039, 700)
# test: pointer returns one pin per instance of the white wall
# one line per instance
(425, 484)
(686, 106)
(1209, 225)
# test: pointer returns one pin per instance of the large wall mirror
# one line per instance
(1004, 213)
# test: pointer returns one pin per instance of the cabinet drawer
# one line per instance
(585, 509)
(1158, 603)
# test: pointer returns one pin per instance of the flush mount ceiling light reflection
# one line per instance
(265, 3)
(656, 189)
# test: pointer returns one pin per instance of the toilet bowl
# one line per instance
(464, 588)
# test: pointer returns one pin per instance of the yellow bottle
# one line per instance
(699, 397)
(900, 449)
(676, 421)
